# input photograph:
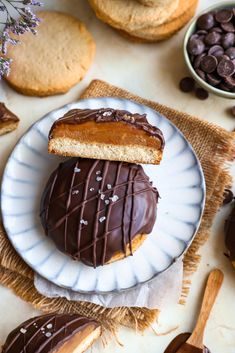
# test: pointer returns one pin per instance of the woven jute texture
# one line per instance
(214, 147)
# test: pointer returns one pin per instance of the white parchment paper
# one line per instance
(164, 290)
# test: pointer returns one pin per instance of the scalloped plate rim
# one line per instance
(68, 107)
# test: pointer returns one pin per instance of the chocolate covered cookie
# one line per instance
(53, 333)
(109, 134)
(230, 235)
(8, 120)
(98, 211)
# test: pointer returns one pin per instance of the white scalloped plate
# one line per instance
(180, 182)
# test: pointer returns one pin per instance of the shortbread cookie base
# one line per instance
(154, 3)
(124, 153)
(131, 15)
(76, 345)
(135, 244)
(54, 60)
(178, 20)
(8, 127)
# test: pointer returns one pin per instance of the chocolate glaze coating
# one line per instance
(78, 116)
(45, 333)
(6, 114)
(179, 340)
(92, 209)
(230, 234)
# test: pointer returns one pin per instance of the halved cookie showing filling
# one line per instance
(109, 134)
(53, 333)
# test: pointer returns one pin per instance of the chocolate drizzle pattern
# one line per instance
(79, 116)
(92, 209)
(46, 333)
(179, 340)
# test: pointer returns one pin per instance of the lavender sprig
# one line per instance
(16, 17)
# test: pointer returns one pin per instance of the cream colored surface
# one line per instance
(54, 60)
(152, 71)
(128, 153)
(131, 15)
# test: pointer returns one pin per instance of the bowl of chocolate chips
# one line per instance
(209, 49)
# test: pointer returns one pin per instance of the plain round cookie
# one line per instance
(154, 3)
(54, 60)
(131, 15)
(177, 20)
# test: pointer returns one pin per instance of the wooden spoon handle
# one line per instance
(213, 286)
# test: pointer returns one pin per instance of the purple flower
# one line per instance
(18, 22)
(4, 66)
(32, 2)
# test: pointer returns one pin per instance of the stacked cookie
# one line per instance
(145, 20)
(100, 208)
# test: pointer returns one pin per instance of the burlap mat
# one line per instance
(214, 148)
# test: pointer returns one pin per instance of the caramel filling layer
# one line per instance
(113, 133)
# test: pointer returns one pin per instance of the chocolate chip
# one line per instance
(201, 74)
(230, 81)
(196, 46)
(209, 63)
(206, 21)
(201, 93)
(219, 58)
(228, 197)
(213, 79)
(216, 50)
(225, 68)
(201, 32)
(227, 40)
(212, 38)
(230, 52)
(224, 16)
(216, 29)
(194, 36)
(197, 60)
(187, 84)
(228, 27)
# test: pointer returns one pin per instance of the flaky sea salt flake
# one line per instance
(102, 219)
(23, 330)
(82, 221)
(109, 186)
(77, 170)
(99, 178)
(114, 198)
(107, 113)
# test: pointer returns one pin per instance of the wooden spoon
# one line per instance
(194, 344)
